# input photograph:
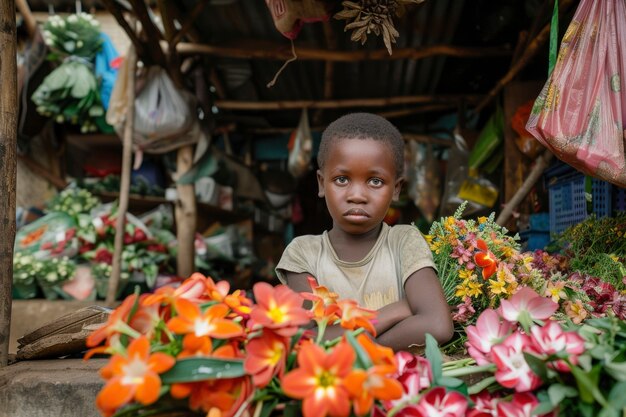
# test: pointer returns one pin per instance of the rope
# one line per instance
(293, 58)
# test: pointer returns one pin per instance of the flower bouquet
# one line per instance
(478, 263)
(70, 92)
(50, 274)
(203, 350)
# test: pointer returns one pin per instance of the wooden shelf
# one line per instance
(140, 204)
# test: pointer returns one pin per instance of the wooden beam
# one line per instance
(8, 146)
(153, 34)
(427, 139)
(188, 24)
(113, 8)
(127, 155)
(392, 114)
(255, 49)
(345, 103)
(531, 50)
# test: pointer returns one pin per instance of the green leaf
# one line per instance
(293, 409)
(558, 392)
(617, 370)
(362, 358)
(268, 407)
(537, 365)
(608, 412)
(543, 408)
(454, 384)
(588, 385)
(617, 399)
(201, 369)
(434, 357)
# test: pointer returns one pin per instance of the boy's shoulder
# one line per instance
(307, 242)
(400, 230)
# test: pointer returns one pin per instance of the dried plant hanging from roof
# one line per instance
(367, 16)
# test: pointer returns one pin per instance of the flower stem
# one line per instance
(469, 370)
(459, 363)
(479, 386)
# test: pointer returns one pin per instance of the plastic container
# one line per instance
(533, 240)
(619, 199)
(568, 202)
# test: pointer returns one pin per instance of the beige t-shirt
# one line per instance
(376, 280)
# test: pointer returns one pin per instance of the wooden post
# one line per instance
(185, 212)
(8, 167)
(127, 153)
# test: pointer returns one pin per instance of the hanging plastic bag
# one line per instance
(424, 185)
(161, 109)
(580, 112)
(300, 147)
(290, 15)
(456, 175)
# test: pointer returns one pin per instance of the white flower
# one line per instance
(72, 18)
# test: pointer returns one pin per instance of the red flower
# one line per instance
(103, 255)
(551, 339)
(439, 403)
(522, 405)
(485, 259)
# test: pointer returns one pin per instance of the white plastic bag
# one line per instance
(300, 147)
(161, 109)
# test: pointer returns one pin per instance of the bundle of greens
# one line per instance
(70, 92)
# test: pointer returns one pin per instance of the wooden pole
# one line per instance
(127, 154)
(541, 163)
(27, 15)
(269, 50)
(185, 213)
(346, 103)
(519, 65)
(8, 167)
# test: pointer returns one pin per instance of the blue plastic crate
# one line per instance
(619, 199)
(568, 204)
(532, 240)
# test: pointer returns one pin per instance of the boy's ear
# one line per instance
(320, 183)
(397, 188)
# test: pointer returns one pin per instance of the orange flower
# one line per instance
(485, 259)
(382, 356)
(115, 324)
(133, 376)
(265, 357)
(367, 385)
(211, 323)
(353, 316)
(319, 381)
(322, 299)
(219, 397)
(193, 289)
(278, 308)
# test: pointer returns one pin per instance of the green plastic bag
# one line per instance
(490, 137)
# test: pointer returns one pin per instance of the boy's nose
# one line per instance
(357, 194)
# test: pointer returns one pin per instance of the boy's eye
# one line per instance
(376, 182)
(341, 180)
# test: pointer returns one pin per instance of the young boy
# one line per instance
(389, 269)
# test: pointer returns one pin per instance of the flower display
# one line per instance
(478, 264)
(200, 348)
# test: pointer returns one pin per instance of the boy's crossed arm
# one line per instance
(405, 322)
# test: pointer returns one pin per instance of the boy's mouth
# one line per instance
(356, 213)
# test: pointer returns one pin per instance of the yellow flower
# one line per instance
(497, 286)
(614, 257)
(466, 274)
(462, 291)
(429, 238)
(436, 246)
(475, 289)
(576, 311)
(527, 261)
(555, 291)
(482, 219)
(507, 251)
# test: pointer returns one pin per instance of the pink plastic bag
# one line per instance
(581, 110)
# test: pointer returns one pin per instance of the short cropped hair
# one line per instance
(363, 126)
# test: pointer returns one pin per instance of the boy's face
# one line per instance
(358, 182)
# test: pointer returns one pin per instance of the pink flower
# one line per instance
(551, 339)
(415, 375)
(521, 405)
(489, 330)
(512, 369)
(438, 402)
(464, 311)
(526, 306)
(461, 254)
(484, 405)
